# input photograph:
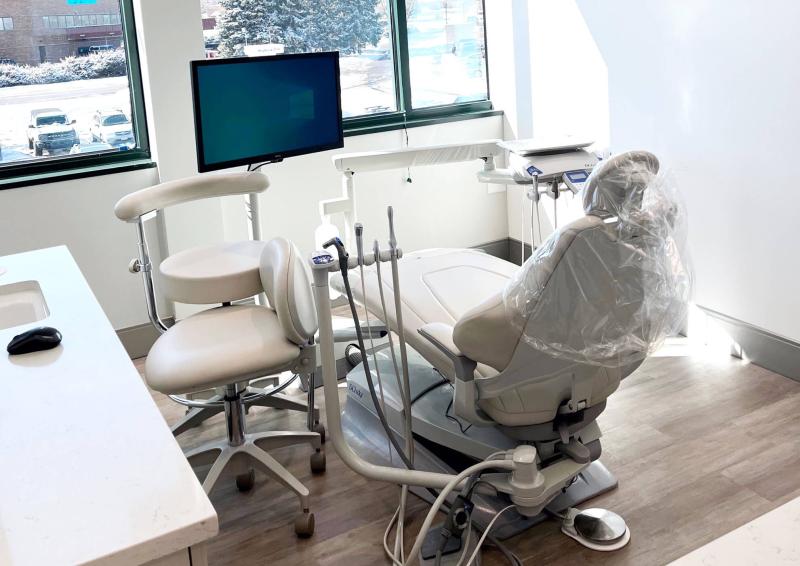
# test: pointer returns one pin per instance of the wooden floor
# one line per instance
(701, 444)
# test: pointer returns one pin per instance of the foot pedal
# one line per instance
(596, 529)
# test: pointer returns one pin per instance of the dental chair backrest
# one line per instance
(288, 288)
(584, 311)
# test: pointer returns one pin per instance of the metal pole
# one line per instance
(146, 269)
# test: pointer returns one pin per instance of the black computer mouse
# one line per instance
(36, 340)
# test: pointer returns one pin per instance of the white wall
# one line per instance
(444, 205)
(80, 214)
(550, 79)
(711, 87)
(170, 36)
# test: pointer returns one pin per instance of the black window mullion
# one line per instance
(403, 76)
(138, 114)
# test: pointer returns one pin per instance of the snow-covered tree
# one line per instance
(300, 25)
(245, 22)
(341, 25)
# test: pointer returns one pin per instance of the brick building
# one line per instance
(35, 31)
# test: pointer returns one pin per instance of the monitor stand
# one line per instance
(254, 215)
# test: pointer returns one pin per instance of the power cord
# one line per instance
(450, 417)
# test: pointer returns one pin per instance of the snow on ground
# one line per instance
(367, 87)
(79, 99)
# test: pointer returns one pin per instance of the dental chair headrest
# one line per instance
(619, 183)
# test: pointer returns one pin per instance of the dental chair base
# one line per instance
(249, 451)
(446, 444)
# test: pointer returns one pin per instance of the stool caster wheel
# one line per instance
(319, 428)
(304, 525)
(318, 462)
(245, 482)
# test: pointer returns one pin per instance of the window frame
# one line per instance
(406, 116)
(67, 167)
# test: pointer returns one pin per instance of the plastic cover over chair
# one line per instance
(611, 294)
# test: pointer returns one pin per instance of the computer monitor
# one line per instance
(260, 109)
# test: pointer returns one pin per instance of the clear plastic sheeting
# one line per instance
(608, 288)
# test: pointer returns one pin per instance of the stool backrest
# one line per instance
(288, 289)
(199, 187)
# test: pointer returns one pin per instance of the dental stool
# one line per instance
(217, 274)
(224, 347)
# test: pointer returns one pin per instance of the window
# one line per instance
(447, 53)
(401, 60)
(74, 21)
(6, 24)
(44, 126)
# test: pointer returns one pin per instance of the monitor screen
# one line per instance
(252, 110)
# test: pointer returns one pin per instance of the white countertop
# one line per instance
(770, 540)
(89, 470)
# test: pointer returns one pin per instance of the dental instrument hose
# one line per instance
(343, 267)
(406, 389)
(441, 500)
(474, 469)
(359, 229)
(377, 250)
(398, 311)
(399, 515)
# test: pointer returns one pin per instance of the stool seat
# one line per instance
(213, 274)
(217, 347)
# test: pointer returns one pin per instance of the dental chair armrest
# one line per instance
(441, 336)
(465, 396)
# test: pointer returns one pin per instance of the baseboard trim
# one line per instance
(137, 340)
(761, 347)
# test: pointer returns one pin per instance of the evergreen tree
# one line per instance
(247, 22)
(300, 25)
(347, 26)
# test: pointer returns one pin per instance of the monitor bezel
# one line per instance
(203, 166)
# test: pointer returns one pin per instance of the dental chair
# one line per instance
(224, 273)
(530, 355)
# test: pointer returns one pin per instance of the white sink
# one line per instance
(21, 303)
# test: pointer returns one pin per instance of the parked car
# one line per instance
(51, 130)
(7, 62)
(91, 148)
(83, 51)
(112, 127)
